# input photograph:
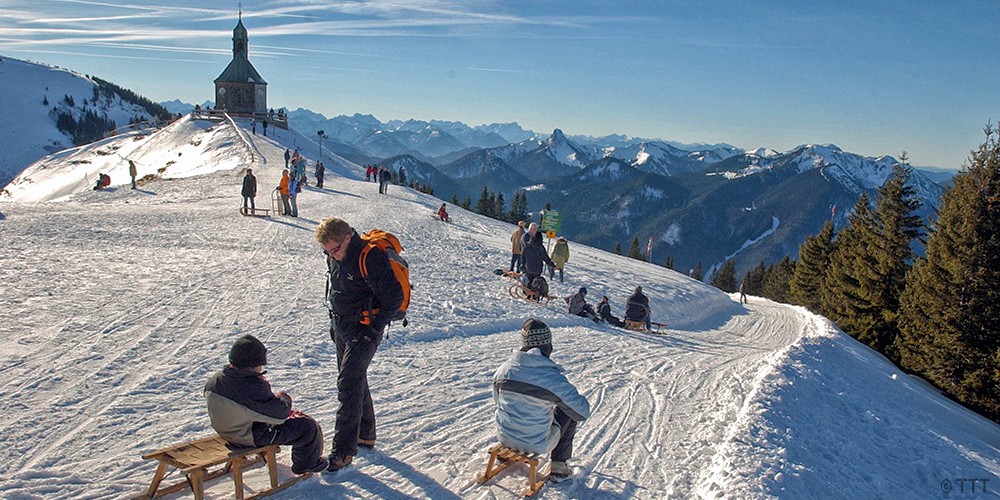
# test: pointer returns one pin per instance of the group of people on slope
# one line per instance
(536, 407)
(521, 238)
(528, 255)
(636, 308)
(288, 187)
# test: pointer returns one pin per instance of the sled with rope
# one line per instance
(207, 458)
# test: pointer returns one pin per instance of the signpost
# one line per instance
(551, 220)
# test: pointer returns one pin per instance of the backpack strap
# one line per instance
(367, 316)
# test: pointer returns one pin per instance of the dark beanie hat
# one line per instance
(248, 352)
(534, 333)
(583, 290)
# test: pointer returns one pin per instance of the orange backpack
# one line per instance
(388, 243)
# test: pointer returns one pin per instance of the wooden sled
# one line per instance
(511, 275)
(509, 456)
(196, 457)
(640, 326)
(258, 212)
(519, 291)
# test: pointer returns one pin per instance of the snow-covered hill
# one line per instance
(117, 305)
(32, 97)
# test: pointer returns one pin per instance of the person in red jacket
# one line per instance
(443, 214)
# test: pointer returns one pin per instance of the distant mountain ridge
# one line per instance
(699, 203)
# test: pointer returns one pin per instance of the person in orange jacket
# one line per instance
(283, 191)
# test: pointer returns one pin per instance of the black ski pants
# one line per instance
(356, 415)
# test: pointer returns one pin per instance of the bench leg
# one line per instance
(161, 472)
(237, 471)
(198, 484)
(490, 469)
(272, 467)
(533, 484)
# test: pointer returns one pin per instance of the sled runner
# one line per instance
(519, 291)
(502, 457)
(259, 212)
(196, 457)
(640, 326)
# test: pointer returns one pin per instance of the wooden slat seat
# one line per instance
(195, 459)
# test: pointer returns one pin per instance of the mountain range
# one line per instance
(698, 203)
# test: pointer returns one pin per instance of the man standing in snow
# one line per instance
(288, 156)
(320, 172)
(533, 254)
(360, 308)
(132, 172)
(537, 408)
(515, 247)
(245, 412)
(249, 191)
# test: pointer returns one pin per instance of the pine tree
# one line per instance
(669, 264)
(499, 211)
(697, 273)
(519, 207)
(868, 268)
(841, 292)
(618, 248)
(724, 278)
(774, 284)
(467, 202)
(454, 199)
(484, 206)
(814, 257)
(753, 279)
(45, 100)
(949, 329)
(634, 251)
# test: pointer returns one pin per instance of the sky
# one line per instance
(118, 304)
(873, 78)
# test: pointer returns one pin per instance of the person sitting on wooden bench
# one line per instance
(537, 408)
(245, 412)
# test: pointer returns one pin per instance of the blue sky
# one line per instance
(873, 77)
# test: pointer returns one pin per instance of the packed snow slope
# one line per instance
(117, 305)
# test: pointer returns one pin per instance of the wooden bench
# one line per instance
(195, 458)
(640, 326)
(502, 457)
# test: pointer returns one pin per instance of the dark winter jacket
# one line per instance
(534, 254)
(351, 294)
(242, 407)
(249, 185)
(604, 310)
(638, 306)
(320, 170)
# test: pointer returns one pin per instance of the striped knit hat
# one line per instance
(534, 333)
